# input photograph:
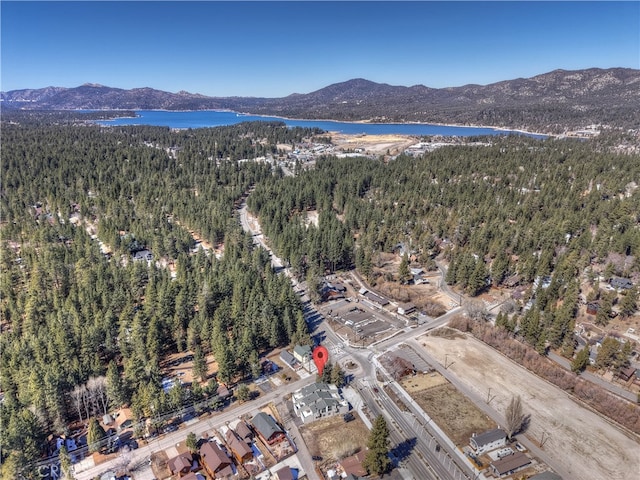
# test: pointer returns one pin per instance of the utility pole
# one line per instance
(446, 363)
(489, 397)
(543, 440)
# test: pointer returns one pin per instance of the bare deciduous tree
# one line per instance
(514, 416)
(97, 387)
(509, 306)
(85, 399)
(123, 461)
(476, 310)
(76, 395)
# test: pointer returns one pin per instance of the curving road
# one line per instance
(203, 425)
(421, 461)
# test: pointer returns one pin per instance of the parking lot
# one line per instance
(359, 321)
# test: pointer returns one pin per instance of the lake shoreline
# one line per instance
(489, 130)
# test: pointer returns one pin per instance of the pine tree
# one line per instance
(199, 364)
(95, 435)
(604, 311)
(502, 320)
(243, 393)
(629, 303)
(404, 274)
(326, 373)
(65, 464)
(377, 461)
(477, 280)
(337, 376)
(192, 442)
(581, 360)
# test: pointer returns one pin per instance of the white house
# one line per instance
(318, 400)
(487, 441)
(302, 353)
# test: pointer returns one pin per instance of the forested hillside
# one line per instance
(79, 202)
(519, 209)
(71, 315)
(552, 102)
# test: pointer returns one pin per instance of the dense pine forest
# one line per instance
(78, 202)
(515, 211)
(75, 318)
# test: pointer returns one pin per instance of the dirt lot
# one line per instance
(373, 144)
(422, 296)
(580, 440)
(333, 439)
(452, 411)
(181, 365)
(421, 382)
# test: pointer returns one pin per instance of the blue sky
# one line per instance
(273, 49)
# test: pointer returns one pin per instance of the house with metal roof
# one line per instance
(377, 299)
(289, 359)
(244, 432)
(303, 354)
(318, 400)
(620, 283)
(406, 308)
(510, 464)
(182, 464)
(267, 428)
(284, 473)
(487, 441)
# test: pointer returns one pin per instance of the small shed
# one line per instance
(626, 373)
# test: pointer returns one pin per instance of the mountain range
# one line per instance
(551, 102)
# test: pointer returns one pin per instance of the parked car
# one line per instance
(170, 428)
(316, 458)
(347, 417)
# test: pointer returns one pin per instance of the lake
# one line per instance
(214, 118)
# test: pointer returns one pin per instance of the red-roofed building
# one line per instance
(353, 465)
(216, 462)
(240, 450)
(181, 465)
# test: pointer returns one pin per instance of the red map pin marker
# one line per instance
(320, 356)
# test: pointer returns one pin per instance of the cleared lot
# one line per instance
(575, 437)
(334, 439)
(452, 411)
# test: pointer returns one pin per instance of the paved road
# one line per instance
(422, 459)
(203, 425)
(612, 387)
(484, 406)
(420, 462)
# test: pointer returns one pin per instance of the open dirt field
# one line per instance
(181, 365)
(420, 382)
(458, 417)
(584, 443)
(375, 144)
(333, 439)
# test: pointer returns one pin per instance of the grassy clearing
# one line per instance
(333, 439)
(452, 411)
